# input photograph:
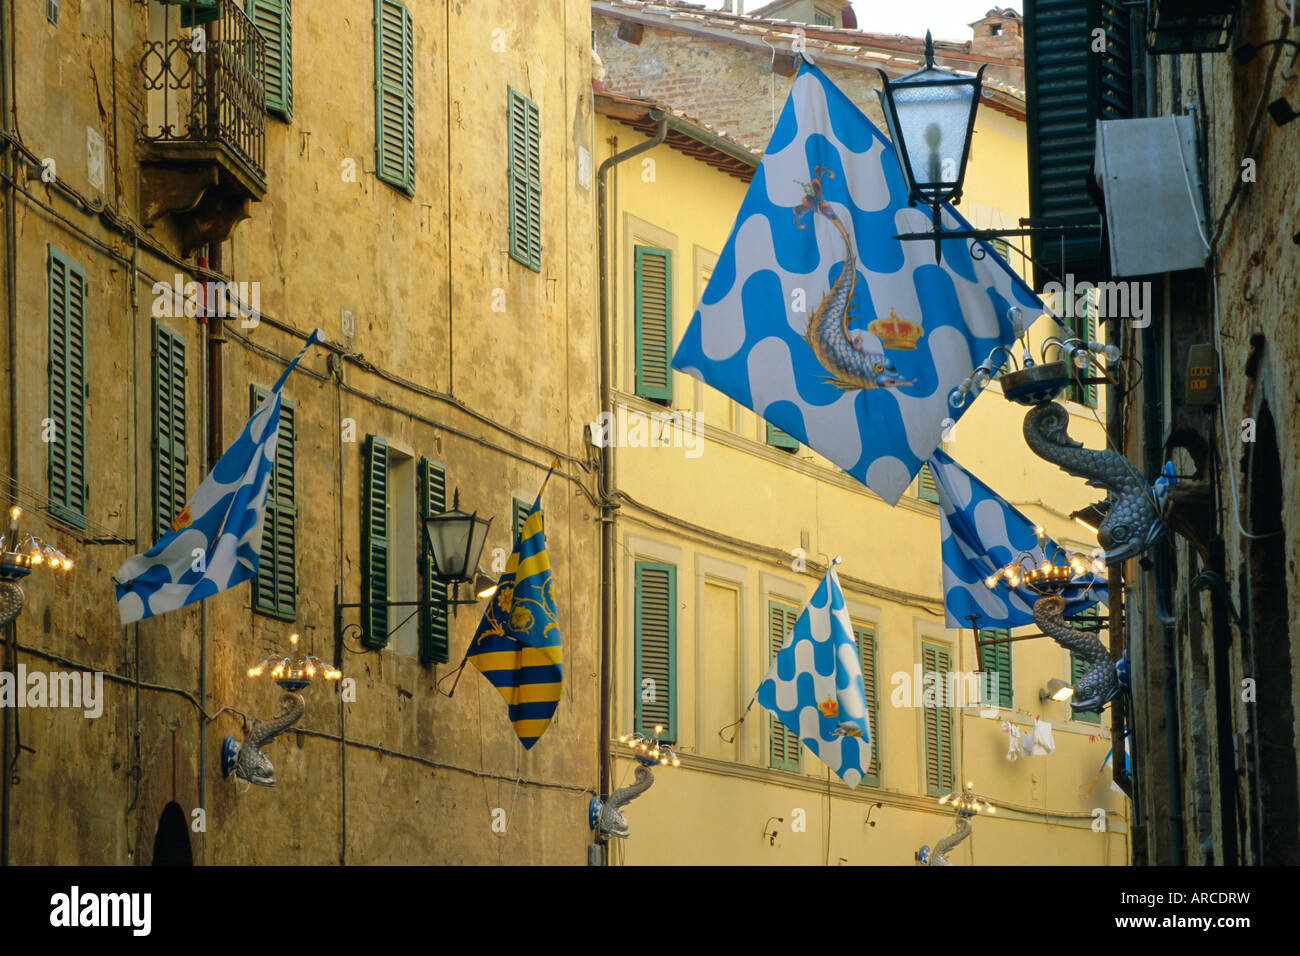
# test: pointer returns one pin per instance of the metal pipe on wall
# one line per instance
(11, 317)
(608, 497)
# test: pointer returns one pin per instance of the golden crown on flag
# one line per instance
(895, 333)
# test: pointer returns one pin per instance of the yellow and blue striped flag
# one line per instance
(517, 644)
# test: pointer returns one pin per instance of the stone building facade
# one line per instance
(367, 193)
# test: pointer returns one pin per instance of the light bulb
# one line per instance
(991, 582)
(981, 377)
(67, 564)
(36, 557)
(1017, 321)
(659, 728)
(293, 639)
(1080, 357)
(664, 761)
(15, 512)
(252, 672)
(676, 762)
(992, 809)
(1111, 352)
(942, 801)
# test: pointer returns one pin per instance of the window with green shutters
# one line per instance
(374, 543)
(783, 746)
(656, 649)
(779, 439)
(1080, 666)
(276, 588)
(938, 722)
(394, 95)
(168, 428)
(653, 290)
(67, 373)
(995, 659)
(274, 20)
(524, 133)
(865, 636)
(435, 645)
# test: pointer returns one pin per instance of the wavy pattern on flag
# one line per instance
(815, 685)
(981, 533)
(517, 644)
(747, 339)
(217, 539)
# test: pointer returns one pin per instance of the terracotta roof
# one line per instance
(894, 54)
(685, 133)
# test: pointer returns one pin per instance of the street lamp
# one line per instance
(456, 541)
(931, 115)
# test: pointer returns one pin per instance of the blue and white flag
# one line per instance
(981, 534)
(823, 323)
(815, 685)
(217, 538)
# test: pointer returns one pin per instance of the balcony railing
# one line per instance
(209, 89)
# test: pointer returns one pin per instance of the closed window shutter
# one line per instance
(938, 723)
(783, 743)
(394, 95)
(656, 649)
(374, 544)
(1088, 330)
(67, 307)
(276, 589)
(274, 19)
(524, 133)
(434, 634)
(996, 659)
(168, 428)
(1080, 666)
(1071, 81)
(518, 515)
(654, 323)
(866, 639)
(925, 487)
(779, 439)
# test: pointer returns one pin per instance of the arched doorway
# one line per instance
(171, 844)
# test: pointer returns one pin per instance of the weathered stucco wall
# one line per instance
(459, 354)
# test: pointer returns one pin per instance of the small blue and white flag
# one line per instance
(981, 534)
(822, 322)
(815, 685)
(217, 538)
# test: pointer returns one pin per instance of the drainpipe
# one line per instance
(11, 316)
(608, 494)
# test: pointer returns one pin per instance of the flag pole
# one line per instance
(555, 463)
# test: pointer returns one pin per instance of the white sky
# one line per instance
(946, 19)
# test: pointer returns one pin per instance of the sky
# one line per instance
(946, 19)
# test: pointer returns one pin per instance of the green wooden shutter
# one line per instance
(1068, 88)
(276, 589)
(656, 649)
(394, 95)
(518, 515)
(866, 640)
(274, 19)
(779, 439)
(925, 487)
(374, 544)
(524, 134)
(784, 748)
(653, 282)
(67, 373)
(1080, 666)
(996, 659)
(435, 643)
(938, 724)
(169, 456)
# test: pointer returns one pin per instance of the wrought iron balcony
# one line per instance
(205, 138)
